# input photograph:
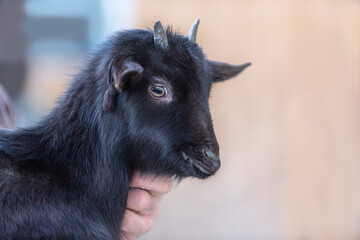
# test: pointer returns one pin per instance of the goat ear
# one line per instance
(126, 72)
(121, 74)
(223, 71)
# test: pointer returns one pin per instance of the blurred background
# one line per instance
(288, 127)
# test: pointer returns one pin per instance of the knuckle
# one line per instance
(170, 186)
(167, 186)
(149, 221)
(128, 221)
(143, 200)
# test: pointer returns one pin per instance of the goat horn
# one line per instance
(160, 38)
(193, 31)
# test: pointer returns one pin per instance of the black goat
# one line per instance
(140, 104)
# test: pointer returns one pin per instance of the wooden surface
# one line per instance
(288, 127)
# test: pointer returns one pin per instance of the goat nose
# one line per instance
(209, 163)
(212, 158)
(210, 155)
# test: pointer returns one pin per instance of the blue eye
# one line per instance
(158, 91)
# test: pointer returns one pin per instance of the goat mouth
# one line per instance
(203, 167)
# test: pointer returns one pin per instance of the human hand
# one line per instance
(143, 204)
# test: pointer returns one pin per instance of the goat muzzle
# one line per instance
(204, 162)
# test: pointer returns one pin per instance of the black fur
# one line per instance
(68, 177)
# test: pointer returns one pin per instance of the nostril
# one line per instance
(205, 153)
(209, 154)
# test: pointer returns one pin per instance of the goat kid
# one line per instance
(141, 104)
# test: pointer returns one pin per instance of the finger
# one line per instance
(142, 201)
(135, 225)
(151, 183)
(124, 237)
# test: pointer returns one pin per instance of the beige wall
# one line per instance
(288, 127)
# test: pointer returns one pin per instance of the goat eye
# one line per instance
(158, 91)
